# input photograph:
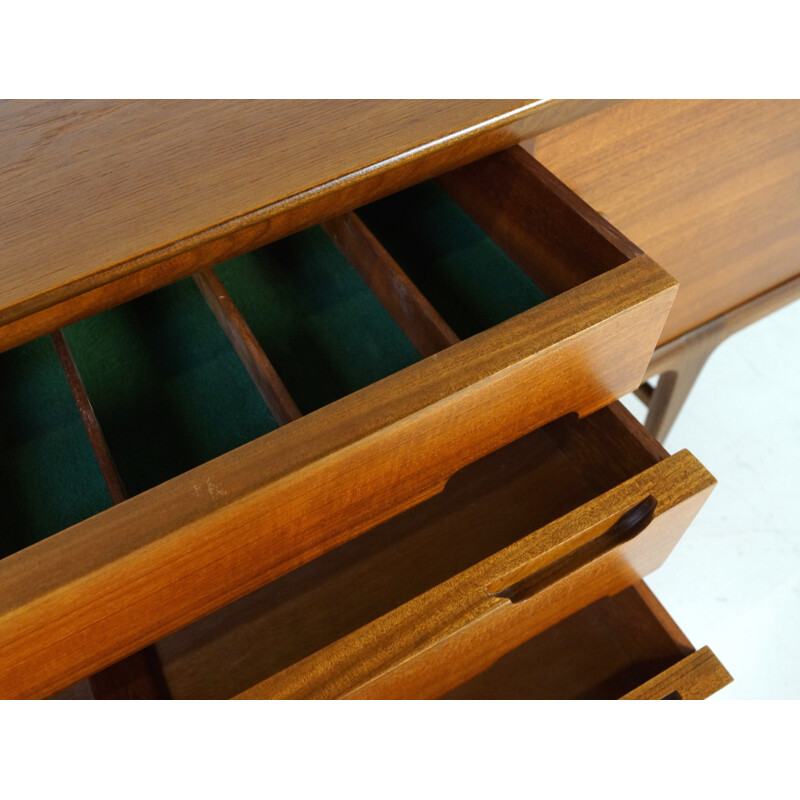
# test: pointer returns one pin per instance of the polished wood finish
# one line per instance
(243, 519)
(103, 201)
(708, 188)
(446, 636)
(250, 352)
(651, 607)
(623, 529)
(695, 677)
(137, 677)
(409, 308)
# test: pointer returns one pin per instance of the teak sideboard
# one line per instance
(318, 399)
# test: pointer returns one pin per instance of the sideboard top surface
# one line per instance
(93, 189)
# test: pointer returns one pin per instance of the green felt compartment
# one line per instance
(49, 478)
(321, 327)
(469, 280)
(170, 392)
(166, 385)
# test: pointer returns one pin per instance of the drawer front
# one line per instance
(171, 555)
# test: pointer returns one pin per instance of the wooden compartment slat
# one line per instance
(409, 308)
(136, 677)
(250, 352)
(459, 269)
(108, 467)
(168, 388)
(139, 675)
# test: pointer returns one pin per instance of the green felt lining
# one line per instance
(469, 280)
(166, 386)
(168, 389)
(323, 330)
(49, 478)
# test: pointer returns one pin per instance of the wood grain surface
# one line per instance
(139, 675)
(241, 520)
(108, 468)
(708, 188)
(94, 191)
(484, 508)
(679, 362)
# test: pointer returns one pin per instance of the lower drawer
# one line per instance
(515, 544)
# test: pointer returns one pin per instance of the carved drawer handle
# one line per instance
(630, 524)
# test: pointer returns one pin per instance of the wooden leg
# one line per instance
(671, 392)
(680, 361)
(677, 364)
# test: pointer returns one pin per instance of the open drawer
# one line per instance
(107, 586)
(518, 541)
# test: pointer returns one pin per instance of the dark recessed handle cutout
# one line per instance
(676, 695)
(630, 524)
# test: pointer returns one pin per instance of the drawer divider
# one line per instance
(386, 279)
(246, 346)
(138, 676)
(108, 468)
(555, 237)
